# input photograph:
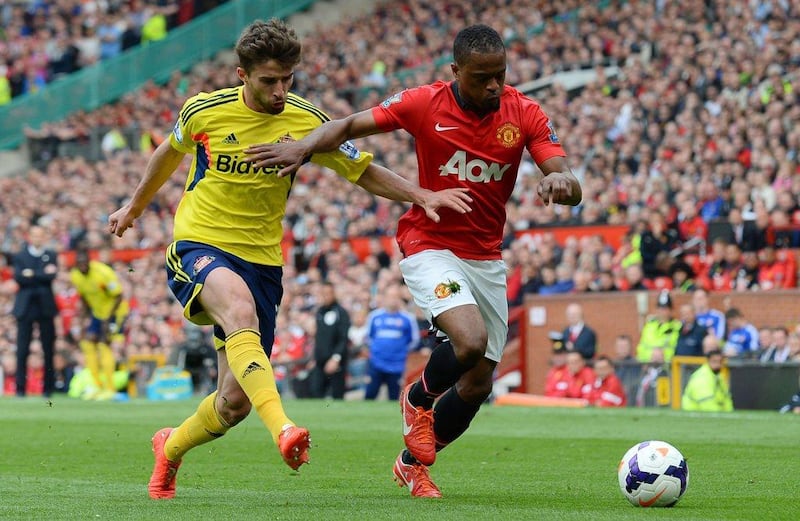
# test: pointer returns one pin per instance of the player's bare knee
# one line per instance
(471, 349)
(242, 313)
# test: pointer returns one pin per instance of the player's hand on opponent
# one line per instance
(121, 220)
(287, 153)
(555, 187)
(453, 198)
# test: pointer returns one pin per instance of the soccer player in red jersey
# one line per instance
(471, 133)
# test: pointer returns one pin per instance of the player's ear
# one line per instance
(241, 73)
(454, 68)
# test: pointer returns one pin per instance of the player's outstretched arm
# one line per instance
(325, 138)
(382, 181)
(559, 184)
(162, 164)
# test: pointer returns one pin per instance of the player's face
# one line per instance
(36, 237)
(602, 369)
(266, 86)
(481, 79)
(82, 263)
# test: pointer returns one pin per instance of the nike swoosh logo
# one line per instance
(406, 427)
(440, 128)
(652, 500)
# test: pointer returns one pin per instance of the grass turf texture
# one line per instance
(87, 460)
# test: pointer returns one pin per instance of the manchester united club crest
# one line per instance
(508, 135)
(445, 289)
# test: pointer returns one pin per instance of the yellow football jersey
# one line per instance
(228, 203)
(100, 289)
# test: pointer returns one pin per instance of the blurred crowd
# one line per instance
(692, 144)
(42, 40)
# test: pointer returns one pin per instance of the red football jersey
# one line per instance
(580, 383)
(457, 148)
(608, 393)
(557, 381)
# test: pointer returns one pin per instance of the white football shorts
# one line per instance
(430, 275)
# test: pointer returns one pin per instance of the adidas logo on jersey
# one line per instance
(231, 139)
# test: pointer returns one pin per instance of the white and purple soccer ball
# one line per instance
(653, 474)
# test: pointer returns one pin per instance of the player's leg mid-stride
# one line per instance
(165, 472)
(294, 443)
(415, 476)
(418, 430)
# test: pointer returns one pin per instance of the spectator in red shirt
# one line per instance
(690, 224)
(607, 390)
(724, 272)
(777, 270)
(556, 382)
(581, 377)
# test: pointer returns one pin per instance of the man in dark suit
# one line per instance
(577, 335)
(743, 233)
(691, 335)
(330, 346)
(35, 267)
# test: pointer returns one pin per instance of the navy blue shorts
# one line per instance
(188, 265)
(115, 325)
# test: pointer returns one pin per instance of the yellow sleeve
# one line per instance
(348, 161)
(111, 282)
(181, 136)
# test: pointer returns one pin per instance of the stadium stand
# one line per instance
(43, 40)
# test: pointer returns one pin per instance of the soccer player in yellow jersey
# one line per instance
(101, 292)
(225, 262)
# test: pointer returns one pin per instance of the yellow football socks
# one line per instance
(251, 368)
(203, 426)
(90, 359)
(107, 364)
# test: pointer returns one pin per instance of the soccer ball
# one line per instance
(653, 474)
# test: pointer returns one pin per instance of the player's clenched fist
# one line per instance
(556, 187)
(121, 220)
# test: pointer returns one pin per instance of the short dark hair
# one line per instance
(733, 313)
(478, 38)
(605, 359)
(271, 40)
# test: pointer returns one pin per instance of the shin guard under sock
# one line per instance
(108, 364)
(203, 426)
(451, 417)
(91, 361)
(441, 372)
(252, 370)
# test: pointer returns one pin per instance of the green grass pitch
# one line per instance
(86, 460)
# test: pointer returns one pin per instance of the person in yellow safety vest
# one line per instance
(660, 332)
(5, 88)
(707, 389)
